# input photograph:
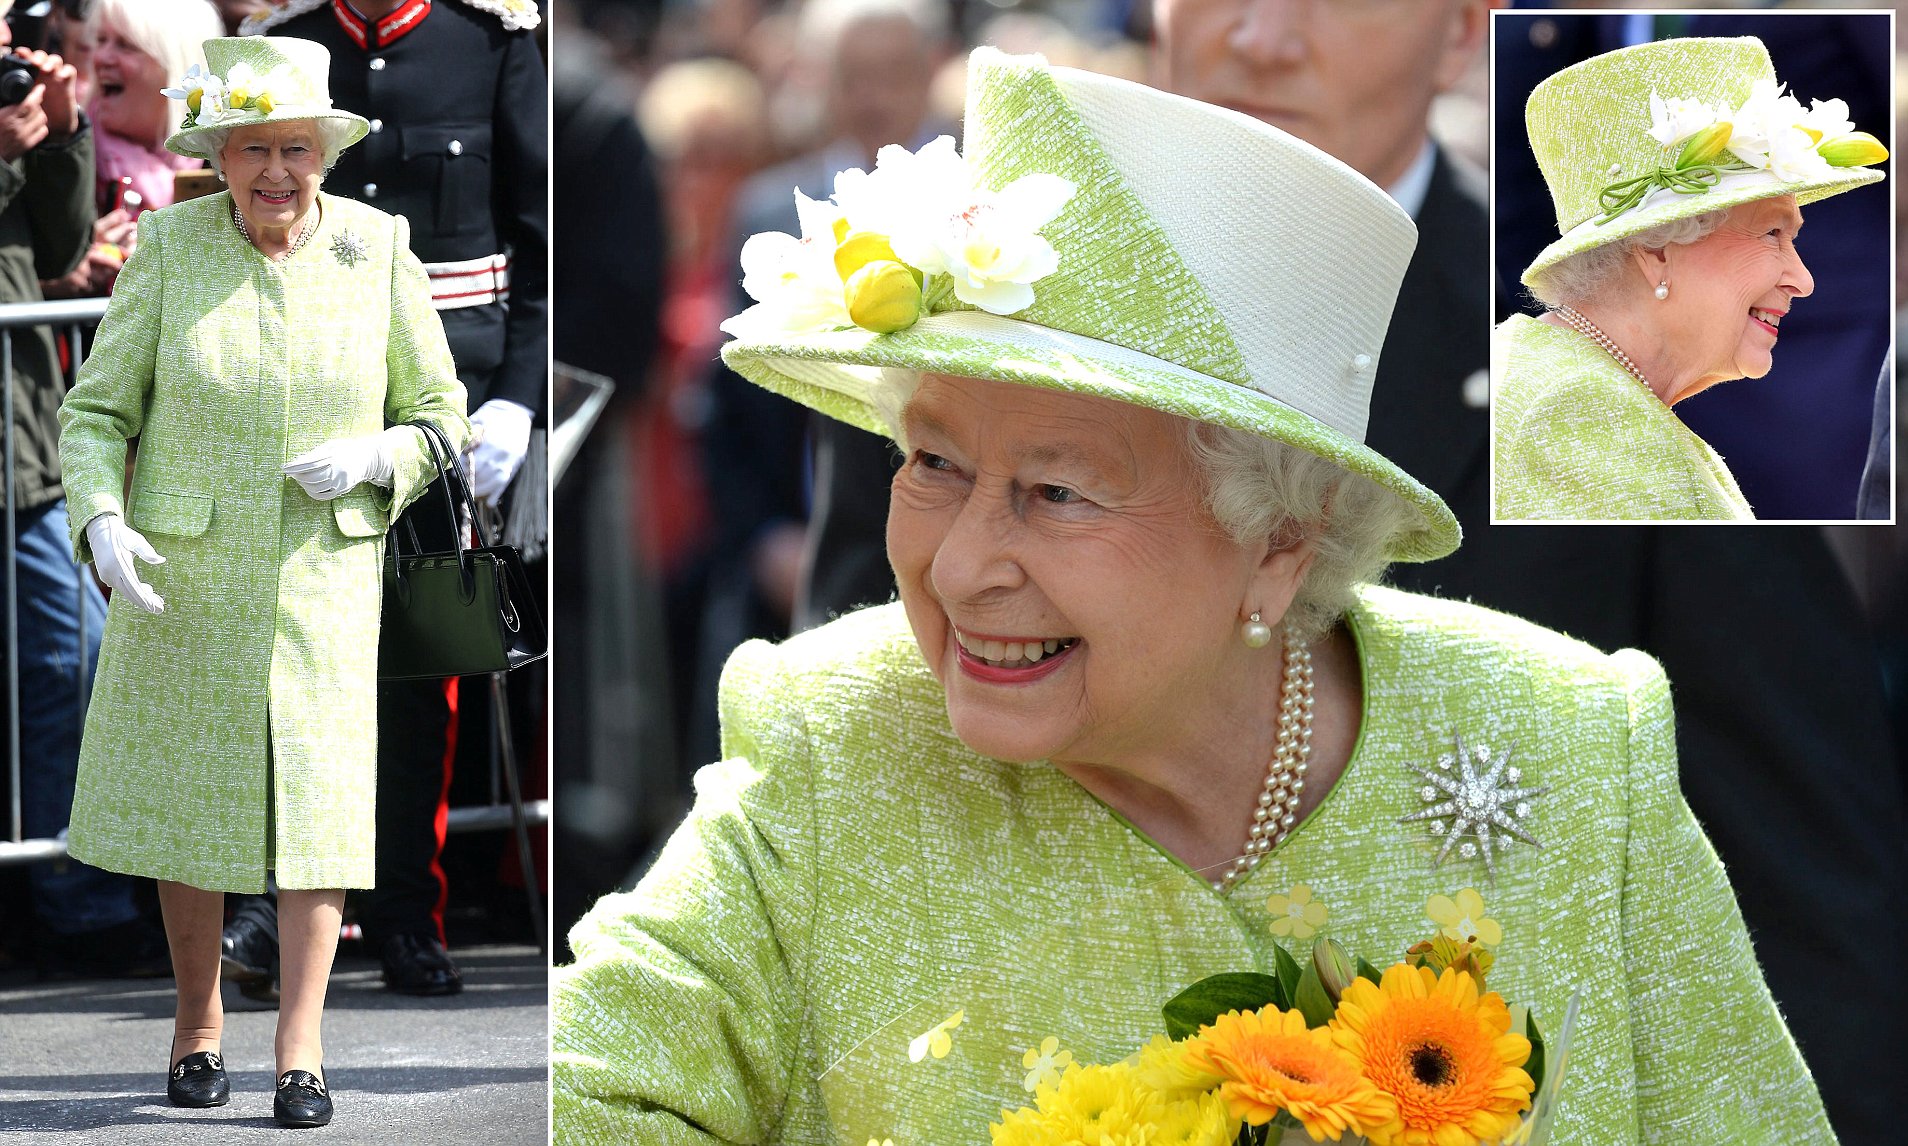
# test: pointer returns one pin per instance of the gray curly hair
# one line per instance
(334, 136)
(1588, 274)
(1258, 489)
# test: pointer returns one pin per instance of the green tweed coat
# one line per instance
(236, 732)
(851, 876)
(1575, 438)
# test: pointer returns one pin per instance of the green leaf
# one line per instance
(1534, 1066)
(1311, 999)
(1204, 1001)
(1367, 971)
(1288, 970)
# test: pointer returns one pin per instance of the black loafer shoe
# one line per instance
(419, 965)
(199, 1080)
(302, 1100)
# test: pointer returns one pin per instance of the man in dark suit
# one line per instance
(1785, 754)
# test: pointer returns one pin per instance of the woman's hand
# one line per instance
(338, 466)
(115, 544)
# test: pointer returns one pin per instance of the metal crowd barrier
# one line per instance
(74, 318)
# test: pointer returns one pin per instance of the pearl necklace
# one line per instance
(306, 232)
(1277, 813)
(1589, 330)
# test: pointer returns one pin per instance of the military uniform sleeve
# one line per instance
(520, 203)
(682, 1019)
(59, 202)
(107, 405)
(420, 379)
(1714, 1062)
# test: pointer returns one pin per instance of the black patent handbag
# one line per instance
(457, 612)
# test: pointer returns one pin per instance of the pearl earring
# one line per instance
(1255, 633)
(1662, 291)
(221, 176)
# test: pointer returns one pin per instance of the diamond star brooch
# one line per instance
(1470, 793)
(348, 247)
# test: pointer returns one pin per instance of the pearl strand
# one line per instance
(310, 228)
(1589, 330)
(1277, 811)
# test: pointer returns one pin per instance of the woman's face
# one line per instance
(1729, 291)
(126, 85)
(1034, 518)
(273, 170)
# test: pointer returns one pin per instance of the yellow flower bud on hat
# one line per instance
(1706, 146)
(858, 250)
(264, 104)
(192, 99)
(884, 296)
(1856, 149)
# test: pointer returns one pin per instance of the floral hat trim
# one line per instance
(916, 236)
(1770, 132)
(243, 95)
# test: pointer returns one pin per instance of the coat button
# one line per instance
(377, 125)
(377, 65)
(370, 190)
(456, 147)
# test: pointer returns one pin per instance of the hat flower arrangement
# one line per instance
(1769, 132)
(913, 237)
(211, 101)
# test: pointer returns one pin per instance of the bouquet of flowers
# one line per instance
(1329, 1048)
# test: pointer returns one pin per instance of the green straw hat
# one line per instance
(250, 80)
(1099, 237)
(1643, 136)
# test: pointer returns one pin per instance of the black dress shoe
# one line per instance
(419, 965)
(248, 952)
(302, 1100)
(198, 1079)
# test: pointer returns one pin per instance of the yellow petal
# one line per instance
(1470, 903)
(1489, 932)
(1315, 914)
(1443, 911)
(1278, 904)
(1301, 893)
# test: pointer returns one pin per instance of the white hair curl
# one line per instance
(1587, 275)
(1257, 490)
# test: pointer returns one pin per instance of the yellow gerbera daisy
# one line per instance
(1296, 913)
(1165, 1066)
(1441, 1051)
(1270, 1063)
(1462, 919)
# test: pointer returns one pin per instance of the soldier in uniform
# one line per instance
(455, 94)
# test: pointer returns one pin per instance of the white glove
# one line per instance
(340, 465)
(502, 440)
(115, 544)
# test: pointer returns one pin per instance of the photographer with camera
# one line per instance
(90, 922)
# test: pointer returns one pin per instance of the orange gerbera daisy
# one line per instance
(1441, 1051)
(1270, 1062)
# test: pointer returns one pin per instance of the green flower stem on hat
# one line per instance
(1620, 197)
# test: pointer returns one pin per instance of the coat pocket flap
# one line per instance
(171, 512)
(358, 515)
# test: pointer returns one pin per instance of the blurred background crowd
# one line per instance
(704, 512)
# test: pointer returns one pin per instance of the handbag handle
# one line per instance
(450, 468)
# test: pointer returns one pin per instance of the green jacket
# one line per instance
(46, 225)
(236, 732)
(851, 876)
(1575, 438)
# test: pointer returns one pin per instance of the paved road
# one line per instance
(84, 1061)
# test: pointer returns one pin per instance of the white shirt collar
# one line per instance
(1410, 189)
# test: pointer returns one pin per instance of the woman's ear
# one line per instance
(1653, 265)
(1276, 580)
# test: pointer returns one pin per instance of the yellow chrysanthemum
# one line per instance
(1164, 1065)
(1296, 913)
(1104, 1105)
(1462, 919)
(1441, 1051)
(1203, 1120)
(1270, 1062)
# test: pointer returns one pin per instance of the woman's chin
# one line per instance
(998, 736)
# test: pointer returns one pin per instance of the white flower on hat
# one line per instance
(941, 223)
(793, 280)
(1676, 119)
(1826, 119)
(1767, 135)
(194, 87)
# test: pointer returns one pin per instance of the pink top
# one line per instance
(151, 171)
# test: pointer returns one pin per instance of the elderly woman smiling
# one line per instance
(1675, 269)
(265, 348)
(1140, 709)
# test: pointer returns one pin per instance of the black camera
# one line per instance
(17, 78)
